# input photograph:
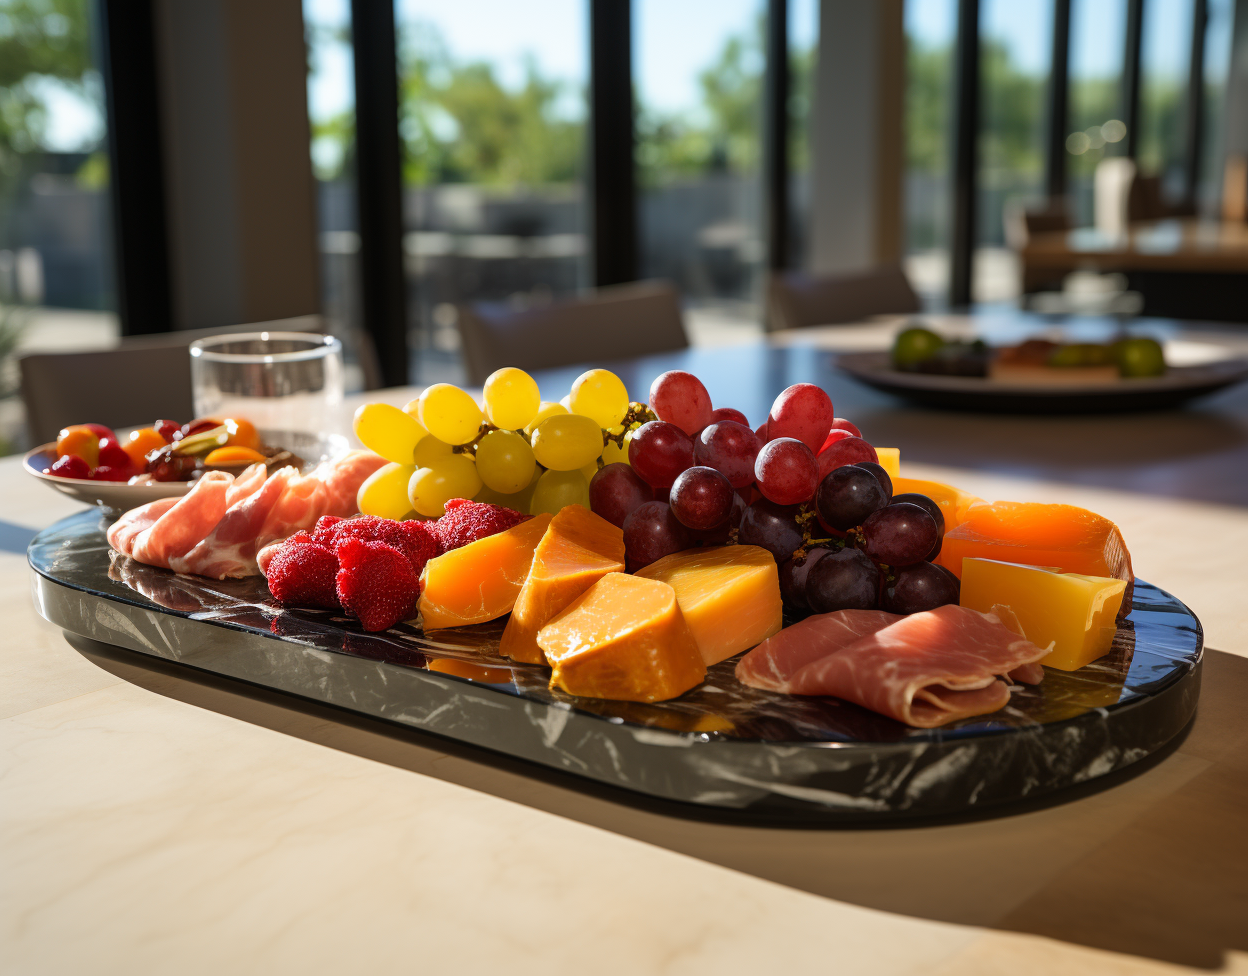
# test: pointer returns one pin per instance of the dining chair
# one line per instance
(142, 380)
(611, 323)
(796, 300)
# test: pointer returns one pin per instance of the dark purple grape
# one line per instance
(844, 580)
(772, 526)
(652, 532)
(701, 498)
(729, 448)
(932, 509)
(720, 535)
(848, 495)
(793, 573)
(881, 476)
(615, 491)
(660, 451)
(920, 587)
(899, 534)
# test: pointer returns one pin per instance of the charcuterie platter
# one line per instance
(722, 749)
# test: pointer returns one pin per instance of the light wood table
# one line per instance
(156, 822)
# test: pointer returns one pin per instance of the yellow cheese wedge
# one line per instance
(624, 638)
(729, 595)
(890, 460)
(1075, 613)
(578, 549)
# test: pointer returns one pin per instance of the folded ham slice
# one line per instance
(925, 670)
(229, 550)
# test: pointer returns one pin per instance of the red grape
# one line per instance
(920, 587)
(882, 476)
(720, 535)
(615, 491)
(659, 451)
(793, 573)
(802, 411)
(847, 496)
(786, 472)
(761, 432)
(113, 455)
(729, 413)
(107, 472)
(167, 429)
(100, 431)
(840, 423)
(681, 399)
(834, 435)
(651, 532)
(844, 580)
(847, 450)
(899, 534)
(730, 448)
(69, 466)
(701, 498)
(772, 526)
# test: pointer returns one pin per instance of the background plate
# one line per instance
(722, 747)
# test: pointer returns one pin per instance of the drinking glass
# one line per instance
(289, 384)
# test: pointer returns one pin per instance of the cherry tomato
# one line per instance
(69, 466)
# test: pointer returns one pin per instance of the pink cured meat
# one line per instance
(176, 531)
(246, 484)
(773, 663)
(122, 533)
(342, 477)
(925, 670)
(229, 550)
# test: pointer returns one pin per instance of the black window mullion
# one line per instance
(965, 153)
(612, 182)
(1131, 75)
(379, 185)
(776, 135)
(1195, 121)
(1059, 99)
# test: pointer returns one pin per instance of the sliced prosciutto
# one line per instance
(229, 550)
(925, 670)
(174, 531)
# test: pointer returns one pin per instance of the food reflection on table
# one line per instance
(634, 549)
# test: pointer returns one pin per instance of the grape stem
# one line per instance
(471, 447)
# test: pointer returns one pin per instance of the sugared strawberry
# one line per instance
(466, 522)
(304, 573)
(324, 530)
(414, 539)
(375, 582)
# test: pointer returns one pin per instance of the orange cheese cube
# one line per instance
(953, 503)
(479, 581)
(578, 549)
(624, 638)
(729, 596)
(1063, 537)
(890, 460)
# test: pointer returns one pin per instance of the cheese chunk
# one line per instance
(623, 638)
(578, 549)
(953, 503)
(729, 596)
(479, 581)
(1074, 613)
(1070, 539)
(890, 460)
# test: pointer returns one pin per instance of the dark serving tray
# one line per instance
(722, 748)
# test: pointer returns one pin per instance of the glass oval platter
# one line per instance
(721, 750)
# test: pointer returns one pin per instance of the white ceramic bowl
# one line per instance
(116, 496)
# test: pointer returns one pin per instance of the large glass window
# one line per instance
(56, 281)
(1165, 58)
(1218, 35)
(493, 106)
(931, 28)
(698, 73)
(1097, 44)
(803, 48)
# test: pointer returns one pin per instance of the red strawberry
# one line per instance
(304, 573)
(414, 539)
(324, 531)
(375, 582)
(466, 522)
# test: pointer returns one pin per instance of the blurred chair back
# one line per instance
(611, 323)
(1022, 224)
(142, 380)
(1235, 189)
(796, 300)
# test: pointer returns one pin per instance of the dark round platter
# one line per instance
(1179, 385)
(722, 749)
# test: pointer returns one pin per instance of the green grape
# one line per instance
(547, 409)
(387, 431)
(412, 409)
(449, 414)
(505, 461)
(557, 489)
(429, 450)
(565, 401)
(567, 442)
(601, 395)
(453, 476)
(512, 398)
(589, 470)
(614, 454)
(384, 492)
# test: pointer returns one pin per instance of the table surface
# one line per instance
(153, 821)
(1164, 245)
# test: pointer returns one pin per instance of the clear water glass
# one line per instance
(289, 384)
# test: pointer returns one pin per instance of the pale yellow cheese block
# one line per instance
(890, 460)
(730, 596)
(1075, 613)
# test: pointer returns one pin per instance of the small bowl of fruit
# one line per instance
(94, 464)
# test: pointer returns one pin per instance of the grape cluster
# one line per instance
(514, 449)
